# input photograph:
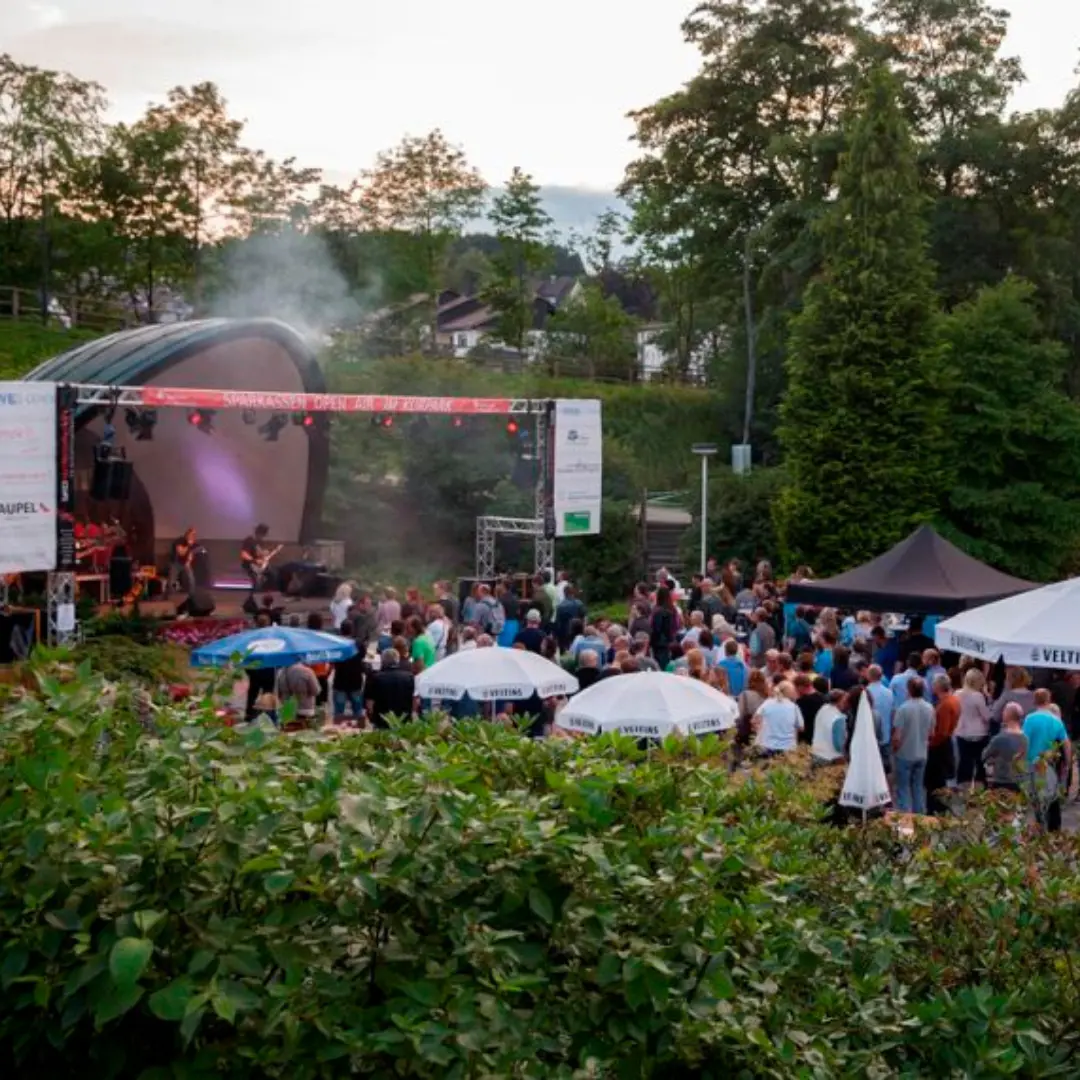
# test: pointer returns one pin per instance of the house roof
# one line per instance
(923, 574)
(556, 290)
(131, 357)
(479, 319)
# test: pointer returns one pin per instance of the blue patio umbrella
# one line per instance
(274, 647)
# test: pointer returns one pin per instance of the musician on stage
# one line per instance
(255, 558)
(181, 556)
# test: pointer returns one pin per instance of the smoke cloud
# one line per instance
(290, 276)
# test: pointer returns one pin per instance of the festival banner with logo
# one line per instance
(577, 468)
(65, 478)
(28, 477)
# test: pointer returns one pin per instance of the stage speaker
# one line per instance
(198, 605)
(200, 569)
(112, 480)
(121, 577)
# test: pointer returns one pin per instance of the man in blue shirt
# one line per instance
(734, 666)
(886, 652)
(823, 661)
(899, 685)
(1045, 732)
(881, 701)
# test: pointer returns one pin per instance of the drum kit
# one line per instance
(95, 553)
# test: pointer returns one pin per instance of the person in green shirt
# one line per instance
(422, 651)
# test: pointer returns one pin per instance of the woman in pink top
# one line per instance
(973, 728)
(389, 610)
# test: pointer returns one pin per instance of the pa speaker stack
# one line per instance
(112, 479)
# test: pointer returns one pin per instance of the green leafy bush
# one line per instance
(462, 902)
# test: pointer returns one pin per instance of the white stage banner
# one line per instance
(28, 477)
(577, 472)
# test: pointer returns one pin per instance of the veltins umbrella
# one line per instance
(274, 647)
(650, 704)
(865, 786)
(1040, 628)
(494, 674)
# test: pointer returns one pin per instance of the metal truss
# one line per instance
(5, 592)
(61, 590)
(544, 556)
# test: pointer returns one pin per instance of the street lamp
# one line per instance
(704, 451)
(46, 270)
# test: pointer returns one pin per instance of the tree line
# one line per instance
(894, 255)
(177, 203)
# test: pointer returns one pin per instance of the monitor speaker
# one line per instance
(112, 480)
(198, 605)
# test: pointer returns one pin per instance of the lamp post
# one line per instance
(704, 451)
(46, 270)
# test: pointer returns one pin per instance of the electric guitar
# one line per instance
(261, 564)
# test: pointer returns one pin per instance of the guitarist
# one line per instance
(255, 558)
(181, 556)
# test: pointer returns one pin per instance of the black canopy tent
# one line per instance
(922, 575)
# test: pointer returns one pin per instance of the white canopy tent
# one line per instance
(649, 704)
(1040, 628)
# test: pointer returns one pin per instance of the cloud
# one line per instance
(139, 55)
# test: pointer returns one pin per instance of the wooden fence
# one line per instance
(65, 311)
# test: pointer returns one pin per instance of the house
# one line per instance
(466, 321)
(655, 361)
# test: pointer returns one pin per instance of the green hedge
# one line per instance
(462, 902)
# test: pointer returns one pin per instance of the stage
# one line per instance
(229, 604)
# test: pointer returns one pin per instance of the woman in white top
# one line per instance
(972, 728)
(340, 605)
(779, 721)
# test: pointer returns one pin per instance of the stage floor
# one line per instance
(229, 604)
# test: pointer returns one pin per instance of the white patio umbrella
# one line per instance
(649, 704)
(494, 674)
(865, 786)
(1040, 628)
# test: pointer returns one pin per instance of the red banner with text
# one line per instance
(176, 397)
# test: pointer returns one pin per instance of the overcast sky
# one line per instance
(334, 81)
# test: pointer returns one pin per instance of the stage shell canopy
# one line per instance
(223, 480)
(922, 575)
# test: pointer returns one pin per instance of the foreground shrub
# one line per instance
(467, 903)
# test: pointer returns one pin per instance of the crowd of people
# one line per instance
(797, 675)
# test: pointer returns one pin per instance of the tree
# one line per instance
(426, 188)
(1014, 436)
(520, 222)
(48, 121)
(593, 331)
(273, 196)
(861, 417)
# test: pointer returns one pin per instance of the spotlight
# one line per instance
(511, 427)
(203, 419)
(388, 421)
(459, 421)
(303, 419)
(248, 416)
(273, 427)
(141, 423)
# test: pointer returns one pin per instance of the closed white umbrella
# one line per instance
(865, 785)
(650, 704)
(494, 674)
(1040, 628)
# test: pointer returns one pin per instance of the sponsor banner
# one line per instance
(963, 643)
(166, 397)
(66, 398)
(28, 477)
(1056, 656)
(577, 469)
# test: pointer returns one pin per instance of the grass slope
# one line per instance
(24, 345)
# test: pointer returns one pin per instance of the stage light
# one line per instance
(388, 421)
(141, 423)
(303, 419)
(203, 419)
(248, 416)
(511, 427)
(459, 421)
(273, 427)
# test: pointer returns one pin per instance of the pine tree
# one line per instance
(1014, 435)
(861, 421)
(520, 222)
